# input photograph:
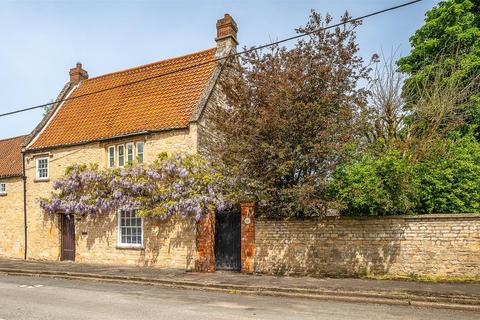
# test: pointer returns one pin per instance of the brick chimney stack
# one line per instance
(77, 74)
(226, 35)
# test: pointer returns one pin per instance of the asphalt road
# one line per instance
(44, 298)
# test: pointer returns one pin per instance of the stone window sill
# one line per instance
(127, 247)
(3, 194)
(41, 180)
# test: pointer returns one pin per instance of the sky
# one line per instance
(41, 40)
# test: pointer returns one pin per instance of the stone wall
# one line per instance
(11, 219)
(441, 245)
(168, 244)
(43, 230)
(204, 125)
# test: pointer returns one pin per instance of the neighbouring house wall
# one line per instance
(11, 219)
(167, 244)
(440, 245)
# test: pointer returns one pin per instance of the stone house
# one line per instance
(111, 120)
(11, 198)
(161, 107)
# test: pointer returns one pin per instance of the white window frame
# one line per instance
(37, 169)
(3, 188)
(110, 148)
(143, 151)
(130, 144)
(119, 233)
(118, 155)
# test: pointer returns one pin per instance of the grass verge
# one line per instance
(423, 278)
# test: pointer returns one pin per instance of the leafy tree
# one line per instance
(291, 113)
(450, 41)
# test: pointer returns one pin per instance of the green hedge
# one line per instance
(447, 182)
(451, 182)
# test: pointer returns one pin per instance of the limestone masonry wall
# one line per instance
(43, 230)
(11, 219)
(441, 245)
(169, 244)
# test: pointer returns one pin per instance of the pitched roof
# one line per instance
(11, 157)
(156, 104)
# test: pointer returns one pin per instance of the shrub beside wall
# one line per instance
(439, 245)
(446, 180)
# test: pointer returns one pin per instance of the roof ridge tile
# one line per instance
(150, 65)
(13, 138)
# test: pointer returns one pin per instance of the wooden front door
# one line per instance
(68, 237)
(228, 241)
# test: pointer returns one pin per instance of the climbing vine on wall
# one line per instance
(186, 185)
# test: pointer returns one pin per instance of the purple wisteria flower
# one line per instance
(186, 185)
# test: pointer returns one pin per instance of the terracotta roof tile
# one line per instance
(11, 157)
(162, 103)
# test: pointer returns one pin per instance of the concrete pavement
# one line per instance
(464, 296)
(36, 298)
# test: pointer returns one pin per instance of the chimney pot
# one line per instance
(77, 74)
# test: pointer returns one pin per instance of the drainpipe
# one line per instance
(24, 177)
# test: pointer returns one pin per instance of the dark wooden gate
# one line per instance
(68, 238)
(228, 240)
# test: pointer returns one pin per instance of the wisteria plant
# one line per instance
(186, 185)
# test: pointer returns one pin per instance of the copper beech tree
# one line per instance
(289, 117)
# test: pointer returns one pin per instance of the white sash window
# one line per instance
(130, 229)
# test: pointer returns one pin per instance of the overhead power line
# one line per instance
(216, 59)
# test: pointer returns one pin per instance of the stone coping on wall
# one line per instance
(404, 217)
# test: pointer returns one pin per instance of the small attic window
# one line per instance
(121, 155)
(130, 153)
(3, 188)
(140, 146)
(111, 156)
